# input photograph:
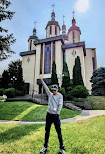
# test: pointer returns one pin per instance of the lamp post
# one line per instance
(13, 79)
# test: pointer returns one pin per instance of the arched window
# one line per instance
(30, 45)
(41, 59)
(55, 30)
(47, 59)
(73, 37)
(50, 30)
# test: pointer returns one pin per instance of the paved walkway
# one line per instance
(84, 115)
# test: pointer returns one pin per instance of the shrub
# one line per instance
(62, 91)
(1, 92)
(98, 82)
(80, 99)
(69, 88)
(50, 87)
(10, 92)
(18, 93)
(22, 90)
(79, 92)
(68, 97)
(97, 102)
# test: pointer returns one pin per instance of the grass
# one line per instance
(80, 137)
(27, 111)
(97, 102)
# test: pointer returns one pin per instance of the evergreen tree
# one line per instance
(98, 82)
(6, 40)
(77, 76)
(20, 85)
(65, 67)
(15, 69)
(54, 79)
(66, 77)
(5, 79)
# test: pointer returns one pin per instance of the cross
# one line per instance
(28, 59)
(73, 13)
(63, 19)
(74, 53)
(35, 24)
(53, 7)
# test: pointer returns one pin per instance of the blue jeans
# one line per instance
(53, 118)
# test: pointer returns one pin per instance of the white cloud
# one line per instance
(82, 5)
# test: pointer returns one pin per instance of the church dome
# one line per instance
(74, 27)
(31, 40)
(74, 32)
(34, 35)
(53, 23)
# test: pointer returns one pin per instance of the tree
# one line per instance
(6, 40)
(15, 70)
(20, 85)
(77, 76)
(13, 78)
(4, 79)
(98, 82)
(66, 78)
(54, 79)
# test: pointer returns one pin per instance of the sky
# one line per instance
(89, 15)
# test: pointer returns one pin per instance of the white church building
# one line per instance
(59, 48)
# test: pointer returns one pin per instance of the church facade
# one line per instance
(59, 48)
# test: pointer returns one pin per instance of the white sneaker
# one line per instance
(44, 150)
(62, 151)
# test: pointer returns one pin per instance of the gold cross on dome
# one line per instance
(35, 24)
(73, 13)
(63, 19)
(53, 6)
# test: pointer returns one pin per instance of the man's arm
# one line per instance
(60, 104)
(45, 86)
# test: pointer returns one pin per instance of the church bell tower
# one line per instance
(52, 27)
(31, 39)
(63, 27)
(74, 32)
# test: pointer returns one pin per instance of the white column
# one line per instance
(43, 64)
(43, 59)
(51, 55)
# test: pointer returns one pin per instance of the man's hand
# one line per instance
(41, 79)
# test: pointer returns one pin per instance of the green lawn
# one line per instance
(27, 111)
(80, 137)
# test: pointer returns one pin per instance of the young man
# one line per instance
(55, 103)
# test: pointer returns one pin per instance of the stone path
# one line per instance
(84, 115)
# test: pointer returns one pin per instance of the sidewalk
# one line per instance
(84, 115)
